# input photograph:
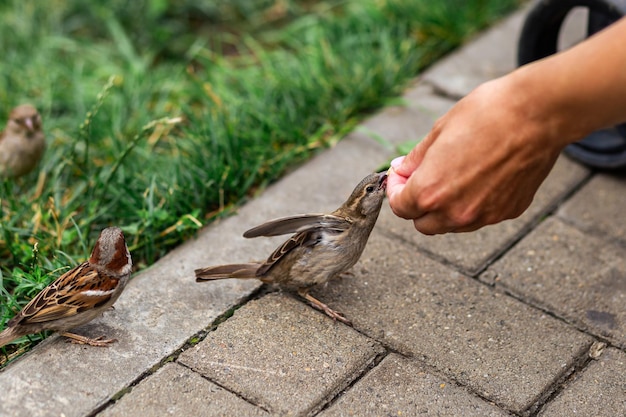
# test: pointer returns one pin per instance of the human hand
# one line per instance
(481, 163)
(484, 160)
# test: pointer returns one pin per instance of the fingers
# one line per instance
(401, 199)
(437, 223)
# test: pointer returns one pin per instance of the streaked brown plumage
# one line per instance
(22, 143)
(323, 246)
(79, 295)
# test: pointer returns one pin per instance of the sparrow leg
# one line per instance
(346, 274)
(83, 340)
(335, 315)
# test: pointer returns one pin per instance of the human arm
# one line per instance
(484, 160)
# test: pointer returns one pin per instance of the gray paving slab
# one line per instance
(570, 274)
(410, 121)
(599, 207)
(500, 348)
(403, 387)
(600, 390)
(472, 252)
(177, 391)
(493, 54)
(282, 355)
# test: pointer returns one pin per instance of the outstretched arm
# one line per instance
(483, 161)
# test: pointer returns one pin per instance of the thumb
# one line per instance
(399, 196)
(400, 189)
(405, 165)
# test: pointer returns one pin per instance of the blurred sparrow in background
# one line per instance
(78, 296)
(324, 245)
(22, 142)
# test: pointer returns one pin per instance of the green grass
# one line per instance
(161, 116)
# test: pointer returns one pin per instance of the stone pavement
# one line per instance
(523, 318)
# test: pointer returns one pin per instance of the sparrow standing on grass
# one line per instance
(324, 245)
(22, 142)
(78, 296)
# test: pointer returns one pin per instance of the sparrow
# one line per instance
(22, 143)
(79, 295)
(323, 246)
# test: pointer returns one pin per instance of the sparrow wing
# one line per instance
(299, 223)
(80, 289)
(302, 239)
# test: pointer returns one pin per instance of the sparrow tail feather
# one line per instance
(242, 271)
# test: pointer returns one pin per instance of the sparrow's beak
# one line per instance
(382, 181)
(28, 122)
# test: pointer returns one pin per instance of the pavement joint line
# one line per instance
(439, 91)
(342, 387)
(173, 357)
(370, 367)
(431, 369)
(451, 379)
(549, 211)
(621, 243)
(578, 326)
(225, 388)
(474, 274)
(430, 255)
(580, 362)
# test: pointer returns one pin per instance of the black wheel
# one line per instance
(604, 148)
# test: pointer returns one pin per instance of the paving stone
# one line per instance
(500, 348)
(493, 54)
(599, 391)
(599, 207)
(178, 391)
(472, 252)
(571, 274)
(403, 387)
(283, 355)
(411, 121)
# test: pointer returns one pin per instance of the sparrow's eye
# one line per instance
(370, 189)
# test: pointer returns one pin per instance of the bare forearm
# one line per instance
(579, 90)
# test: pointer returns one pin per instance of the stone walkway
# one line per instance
(523, 318)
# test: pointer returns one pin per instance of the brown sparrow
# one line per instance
(22, 142)
(324, 245)
(79, 295)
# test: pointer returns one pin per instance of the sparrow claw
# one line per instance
(83, 340)
(335, 315)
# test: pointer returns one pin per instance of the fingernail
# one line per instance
(397, 162)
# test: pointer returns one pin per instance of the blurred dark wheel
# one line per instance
(605, 148)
